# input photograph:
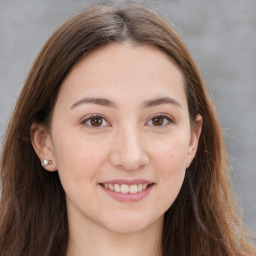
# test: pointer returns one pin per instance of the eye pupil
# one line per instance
(96, 121)
(157, 121)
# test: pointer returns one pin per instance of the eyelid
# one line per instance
(167, 117)
(96, 115)
(91, 116)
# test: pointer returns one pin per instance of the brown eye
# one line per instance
(96, 121)
(158, 121)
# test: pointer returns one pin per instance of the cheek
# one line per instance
(171, 154)
(170, 164)
(78, 158)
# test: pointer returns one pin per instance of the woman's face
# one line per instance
(121, 138)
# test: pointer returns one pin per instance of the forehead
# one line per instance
(123, 57)
(125, 70)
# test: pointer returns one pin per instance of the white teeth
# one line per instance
(117, 188)
(139, 187)
(125, 188)
(133, 189)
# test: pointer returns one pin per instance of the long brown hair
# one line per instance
(33, 217)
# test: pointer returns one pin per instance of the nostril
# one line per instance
(129, 161)
(128, 151)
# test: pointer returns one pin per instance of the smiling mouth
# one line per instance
(125, 188)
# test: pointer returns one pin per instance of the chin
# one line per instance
(130, 224)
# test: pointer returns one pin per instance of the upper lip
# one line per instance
(128, 182)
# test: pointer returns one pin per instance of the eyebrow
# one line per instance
(109, 103)
(98, 101)
(160, 101)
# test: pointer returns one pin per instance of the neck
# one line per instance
(93, 240)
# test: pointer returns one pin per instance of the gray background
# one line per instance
(221, 36)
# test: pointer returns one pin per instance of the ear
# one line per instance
(194, 139)
(42, 145)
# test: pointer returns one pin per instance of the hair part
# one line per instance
(201, 221)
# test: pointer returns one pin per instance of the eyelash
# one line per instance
(167, 121)
(90, 119)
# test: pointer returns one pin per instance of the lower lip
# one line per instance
(128, 197)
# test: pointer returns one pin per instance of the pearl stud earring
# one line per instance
(46, 162)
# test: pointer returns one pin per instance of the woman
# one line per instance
(114, 147)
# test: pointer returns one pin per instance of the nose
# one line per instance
(128, 150)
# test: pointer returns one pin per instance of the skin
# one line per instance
(130, 144)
